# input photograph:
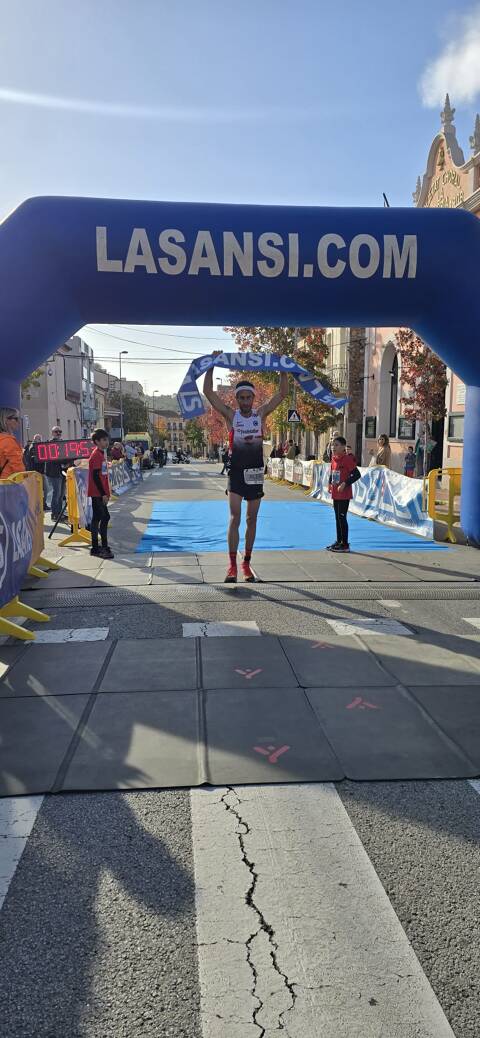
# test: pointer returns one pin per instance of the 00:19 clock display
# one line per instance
(63, 450)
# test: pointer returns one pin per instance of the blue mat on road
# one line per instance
(200, 526)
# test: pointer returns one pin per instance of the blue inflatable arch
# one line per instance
(66, 262)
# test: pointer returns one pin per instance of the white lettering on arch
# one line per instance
(354, 255)
(204, 256)
(274, 263)
(104, 264)
(328, 270)
(242, 254)
(396, 259)
(168, 241)
(139, 253)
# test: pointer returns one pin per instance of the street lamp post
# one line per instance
(120, 355)
(153, 410)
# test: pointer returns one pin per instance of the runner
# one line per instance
(246, 472)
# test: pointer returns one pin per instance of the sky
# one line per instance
(268, 101)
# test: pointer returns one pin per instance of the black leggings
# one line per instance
(341, 509)
(100, 520)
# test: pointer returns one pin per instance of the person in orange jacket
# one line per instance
(11, 453)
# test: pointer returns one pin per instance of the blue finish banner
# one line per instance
(17, 526)
(190, 401)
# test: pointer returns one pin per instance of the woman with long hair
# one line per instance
(11, 453)
(384, 452)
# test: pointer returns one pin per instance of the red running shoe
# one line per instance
(231, 577)
(248, 573)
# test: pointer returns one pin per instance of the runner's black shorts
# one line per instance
(237, 485)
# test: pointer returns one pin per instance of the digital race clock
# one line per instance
(63, 450)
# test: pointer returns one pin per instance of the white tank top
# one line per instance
(246, 441)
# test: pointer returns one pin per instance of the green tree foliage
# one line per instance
(308, 347)
(135, 412)
(31, 382)
(194, 434)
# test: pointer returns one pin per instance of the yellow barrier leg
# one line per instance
(47, 563)
(35, 571)
(11, 630)
(79, 535)
(17, 608)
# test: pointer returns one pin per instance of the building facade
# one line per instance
(450, 181)
(64, 395)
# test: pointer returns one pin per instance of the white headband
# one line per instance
(244, 385)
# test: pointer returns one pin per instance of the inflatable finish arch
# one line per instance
(66, 262)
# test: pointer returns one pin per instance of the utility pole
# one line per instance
(121, 394)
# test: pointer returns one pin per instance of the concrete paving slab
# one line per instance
(81, 562)
(36, 733)
(278, 571)
(124, 576)
(258, 735)
(415, 661)
(380, 734)
(172, 559)
(324, 572)
(380, 572)
(64, 578)
(326, 661)
(124, 558)
(177, 575)
(231, 663)
(163, 664)
(457, 711)
(434, 573)
(55, 670)
(137, 740)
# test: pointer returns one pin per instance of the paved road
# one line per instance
(347, 911)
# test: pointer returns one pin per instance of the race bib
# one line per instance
(335, 478)
(252, 476)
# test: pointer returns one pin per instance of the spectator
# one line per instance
(54, 474)
(291, 455)
(410, 462)
(11, 459)
(34, 465)
(384, 452)
(328, 452)
(129, 454)
(348, 450)
(117, 452)
(297, 450)
(224, 460)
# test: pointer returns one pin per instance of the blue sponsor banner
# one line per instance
(383, 495)
(17, 524)
(190, 401)
(83, 500)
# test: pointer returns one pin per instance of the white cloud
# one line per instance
(457, 68)
(162, 113)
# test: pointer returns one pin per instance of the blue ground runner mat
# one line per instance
(200, 526)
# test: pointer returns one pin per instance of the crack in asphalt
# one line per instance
(242, 830)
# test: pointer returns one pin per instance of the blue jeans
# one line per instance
(55, 484)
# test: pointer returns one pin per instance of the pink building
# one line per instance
(448, 182)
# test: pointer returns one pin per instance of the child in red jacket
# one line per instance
(343, 474)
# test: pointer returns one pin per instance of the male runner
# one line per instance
(246, 473)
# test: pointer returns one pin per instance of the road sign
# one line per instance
(293, 415)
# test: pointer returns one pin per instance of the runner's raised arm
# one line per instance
(277, 397)
(213, 397)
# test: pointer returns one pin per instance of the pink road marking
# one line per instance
(248, 673)
(363, 704)
(272, 757)
(321, 645)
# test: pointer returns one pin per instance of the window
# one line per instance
(393, 397)
(371, 427)
(460, 394)
(455, 427)
(406, 428)
(69, 434)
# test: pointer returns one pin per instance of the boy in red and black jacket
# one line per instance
(99, 491)
(343, 474)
